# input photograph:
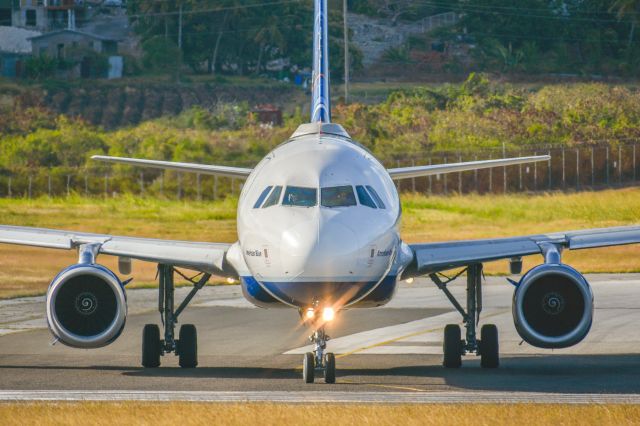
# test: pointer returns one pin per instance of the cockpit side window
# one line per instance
(273, 198)
(300, 196)
(262, 197)
(376, 197)
(337, 196)
(364, 197)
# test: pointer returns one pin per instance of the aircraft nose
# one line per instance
(316, 250)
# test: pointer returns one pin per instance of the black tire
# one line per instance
(308, 368)
(151, 350)
(329, 368)
(188, 346)
(452, 346)
(489, 346)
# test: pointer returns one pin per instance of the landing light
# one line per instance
(309, 314)
(328, 314)
(230, 280)
(409, 281)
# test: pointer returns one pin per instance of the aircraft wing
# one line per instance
(435, 257)
(205, 169)
(437, 169)
(205, 257)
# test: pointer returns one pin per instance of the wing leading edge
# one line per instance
(205, 169)
(436, 169)
(441, 256)
(205, 257)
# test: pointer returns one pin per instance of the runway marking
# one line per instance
(403, 388)
(370, 341)
(307, 397)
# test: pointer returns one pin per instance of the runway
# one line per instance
(390, 354)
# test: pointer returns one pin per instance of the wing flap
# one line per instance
(206, 257)
(603, 237)
(441, 256)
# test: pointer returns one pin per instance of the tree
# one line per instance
(627, 9)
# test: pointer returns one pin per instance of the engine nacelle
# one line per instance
(86, 306)
(553, 306)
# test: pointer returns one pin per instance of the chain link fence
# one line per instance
(568, 169)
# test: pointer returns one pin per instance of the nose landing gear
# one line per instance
(318, 360)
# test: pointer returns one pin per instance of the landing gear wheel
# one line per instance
(188, 346)
(308, 367)
(452, 346)
(489, 347)
(151, 349)
(329, 368)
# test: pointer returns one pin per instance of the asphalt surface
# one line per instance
(396, 349)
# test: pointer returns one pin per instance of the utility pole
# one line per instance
(180, 28)
(179, 43)
(346, 52)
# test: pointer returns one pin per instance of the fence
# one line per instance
(568, 169)
(576, 168)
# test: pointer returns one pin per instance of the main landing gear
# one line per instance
(186, 346)
(318, 360)
(454, 346)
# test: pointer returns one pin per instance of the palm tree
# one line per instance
(630, 9)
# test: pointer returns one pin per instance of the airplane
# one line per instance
(318, 231)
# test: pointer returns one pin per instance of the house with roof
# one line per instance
(79, 48)
(15, 47)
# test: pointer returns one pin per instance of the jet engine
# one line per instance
(553, 306)
(86, 306)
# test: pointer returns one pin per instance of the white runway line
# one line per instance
(323, 397)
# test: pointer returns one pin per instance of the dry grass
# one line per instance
(87, 414)
(26, 271)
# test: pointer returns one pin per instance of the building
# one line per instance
(15, 47)
(43, 15)
(64, 43)
(76, 47)
(6, 8)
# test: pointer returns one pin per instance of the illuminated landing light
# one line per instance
(230, 280)
(309, 314)
(328, 314)
(409, 281)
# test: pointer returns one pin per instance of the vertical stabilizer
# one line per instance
(320, 102)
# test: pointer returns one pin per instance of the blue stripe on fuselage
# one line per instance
(303, 294)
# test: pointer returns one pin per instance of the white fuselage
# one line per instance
(318, 253)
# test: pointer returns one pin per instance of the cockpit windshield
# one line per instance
(337, 196)
(273, 198)
(364, 197)
(375, 195)
(300, 196)
(262, 196)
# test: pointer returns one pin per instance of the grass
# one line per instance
(27, 270)
(87, 414)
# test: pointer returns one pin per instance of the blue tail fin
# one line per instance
(320, 103)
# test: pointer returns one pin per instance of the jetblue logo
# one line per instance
(254, 253)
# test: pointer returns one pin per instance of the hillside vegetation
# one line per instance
(476, 116)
